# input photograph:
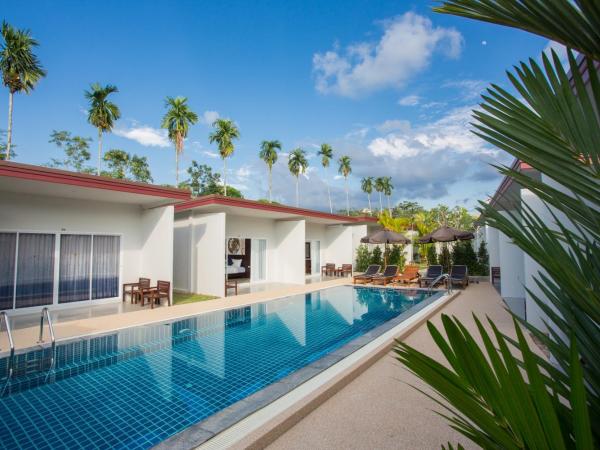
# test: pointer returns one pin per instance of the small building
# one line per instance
(72, 239)
(220, 237)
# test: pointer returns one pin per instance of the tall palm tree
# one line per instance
(268, 153)
(388, 187)
(326, 153)
(297, 164)
(380, 187)
(177, 121)
(345, 169)
(366, 184)
(225, 132)
(20, 68)
(102, 113)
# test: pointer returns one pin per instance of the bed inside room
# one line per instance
(238, 259)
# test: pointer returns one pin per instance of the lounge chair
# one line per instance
(432, 273)
(368, 275)
(387, 276)
(459, 275)
(346, 269)
(410, 273)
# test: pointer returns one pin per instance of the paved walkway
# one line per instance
(379, 410)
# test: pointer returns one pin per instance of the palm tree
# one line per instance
(326, 153)
(268, 153)
(297, 164)
(387, 190)
(380, 187)
(102, 113)
(225, 132)
(177, 121)
(366, 184)
(345, 169)
(20, 68)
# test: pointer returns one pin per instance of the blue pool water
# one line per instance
(137, 387)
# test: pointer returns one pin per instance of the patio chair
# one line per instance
(495, 274)
(328, 269)
(459, 275)
(345, 270)
(410, 274)
(371, 271)
(156, 293)
(432, 273)
(387, 276)
(135, 289)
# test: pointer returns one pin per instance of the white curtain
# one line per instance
(259, 259)
(105, 267)
(74, 272)
(35, 270)
(315, 257)
(8, 245)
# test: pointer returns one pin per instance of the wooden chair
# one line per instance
(371, 271)
(495, 273)
(135, 289)
(328, 269)
(345, 270)
(155, 294)
(410, 274)
(388, 275)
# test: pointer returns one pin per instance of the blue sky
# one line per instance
(389, 83)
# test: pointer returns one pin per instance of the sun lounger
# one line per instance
(387, 276)
(459, 275)
(410, 273)
(368, 275)
(432, 273)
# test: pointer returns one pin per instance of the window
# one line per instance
(35, 270)
(88, 268)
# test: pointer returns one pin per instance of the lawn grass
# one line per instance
(181, 298)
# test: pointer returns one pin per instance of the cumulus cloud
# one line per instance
(393, 125)
(409, 100)
(208, 117)
(405, 48)
(145, 135)
(468, 90)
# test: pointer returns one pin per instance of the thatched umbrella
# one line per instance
(385, 237)
(446, 234)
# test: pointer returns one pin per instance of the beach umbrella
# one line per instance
(446, 234)
(385, 237)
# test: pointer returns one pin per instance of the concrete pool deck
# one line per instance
(378, 408)
(27, 337)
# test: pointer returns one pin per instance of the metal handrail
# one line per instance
(46, 314)
(440, 278)
(9, 367)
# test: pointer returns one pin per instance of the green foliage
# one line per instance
(3, 146)
(407, 209)
(463, 254)
(376, 256)
(76, 149)
(483, 259)
(445, 259)
(396, 256)
(122, 165)
(432, 258)
(226, 131)
(326, 153)
(507, 396)
(203, 181)
(177, 121)
(102, 113)
(363, 257)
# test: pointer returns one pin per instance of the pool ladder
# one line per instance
(443, 276)
(11, 343)
(46, 315)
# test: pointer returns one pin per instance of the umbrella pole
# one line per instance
(385, 256)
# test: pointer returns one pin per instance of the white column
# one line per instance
(290, 237)
(208, 254)
(491, 239)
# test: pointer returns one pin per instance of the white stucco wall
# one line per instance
(143, 232)
(491, 239)
(339, 245)
(512, 275)
(290, 239)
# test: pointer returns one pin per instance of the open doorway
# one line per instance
(312, 257)
(246, 259)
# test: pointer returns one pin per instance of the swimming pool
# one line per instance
(137, 387)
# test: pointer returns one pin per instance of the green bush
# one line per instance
(431, 255)
(445, 258)
(363, 258)
(396, 256)
(483, 259)
(377, 256)
(463, 254)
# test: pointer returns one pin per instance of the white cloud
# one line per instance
(484, 43)
(468, 89)
(144, 135)
(210, 154)
(359, 133)
(409, 100)
(560, 50)
(406, 48)
(208, 117)
(451, 133)
(393, 125)
(430, 105)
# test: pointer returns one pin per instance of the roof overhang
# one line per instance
(508, 194)
(43, 181)
(251, 208)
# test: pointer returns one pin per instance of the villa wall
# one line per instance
(290, 239)
(149, 250)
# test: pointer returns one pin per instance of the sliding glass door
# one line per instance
(75, 268)
(315, 257)
(35, 270)
(105, 267)
(8, 248)
(258, 260)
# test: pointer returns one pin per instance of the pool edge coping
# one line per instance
(320, 379)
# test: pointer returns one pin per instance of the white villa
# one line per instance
(257, 242)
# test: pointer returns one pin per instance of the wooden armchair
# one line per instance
(345, 270)
(155, 294)
(328, 269)
(134, 289)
